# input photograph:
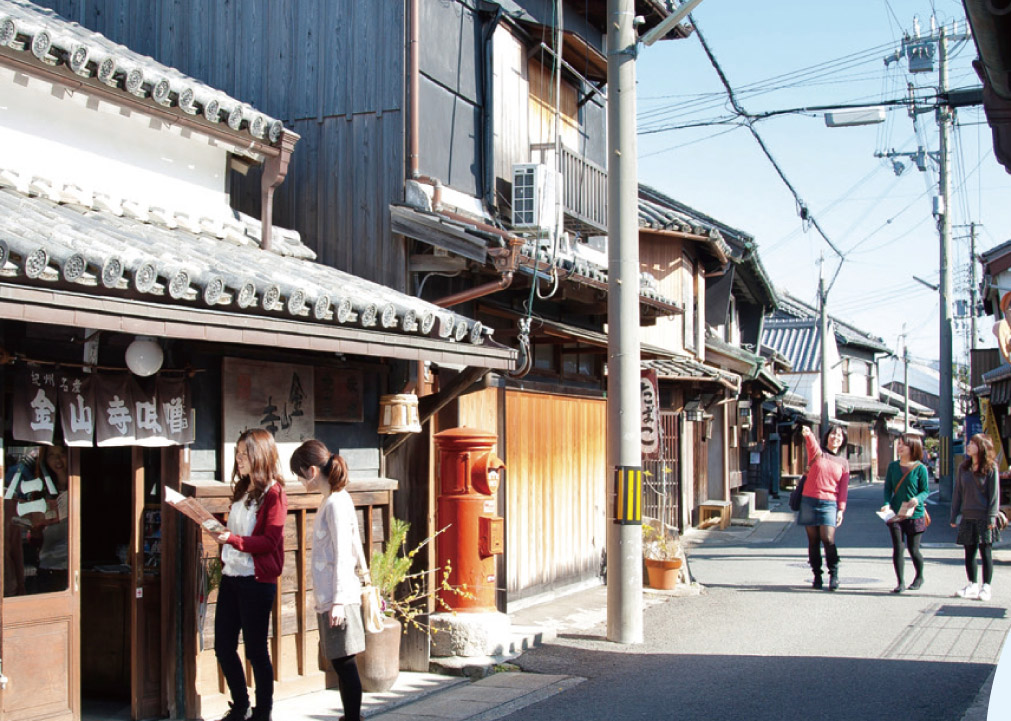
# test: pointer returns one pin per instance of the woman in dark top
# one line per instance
(975, 497)
(906, 490)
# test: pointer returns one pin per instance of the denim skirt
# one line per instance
(816, 512)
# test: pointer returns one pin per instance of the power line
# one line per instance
(802, 208)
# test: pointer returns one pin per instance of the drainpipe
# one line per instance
(476, 292)
(413, 85)
(506, 260)
(488, 109)
(275, 168)
(718, 272)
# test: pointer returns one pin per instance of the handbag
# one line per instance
(372, 609)
(796, 494)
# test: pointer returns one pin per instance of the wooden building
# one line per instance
(793, 331)
(122, 255)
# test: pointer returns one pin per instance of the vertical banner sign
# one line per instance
(991, 429)
(650, 412)
(115, 422)
(628, 506)
(177, 414)
(150, 430)
(35, 398)
(77, 409)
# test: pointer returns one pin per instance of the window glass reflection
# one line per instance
(36, 520)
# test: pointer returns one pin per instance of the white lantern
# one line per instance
(144, 357)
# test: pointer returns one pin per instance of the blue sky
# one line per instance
(881, 221)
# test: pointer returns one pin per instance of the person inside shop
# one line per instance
(823, 501)
(337, 557)
(252, 557)
(906, 490)
(975, 498)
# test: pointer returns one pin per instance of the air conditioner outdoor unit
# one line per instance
(534, 203)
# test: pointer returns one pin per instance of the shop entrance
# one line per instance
(82, 630)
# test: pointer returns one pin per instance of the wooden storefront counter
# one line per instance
(293, 635)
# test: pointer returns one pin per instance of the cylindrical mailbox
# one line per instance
(468, 474)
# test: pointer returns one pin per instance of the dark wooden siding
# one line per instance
(332, 70)
(452, 62)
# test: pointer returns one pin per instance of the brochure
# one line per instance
(886, 514)
(191, 508)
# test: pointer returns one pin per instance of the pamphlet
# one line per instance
(886, 514)
(191, 508)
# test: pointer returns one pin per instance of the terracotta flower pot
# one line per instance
(663, 574)
(379, 664)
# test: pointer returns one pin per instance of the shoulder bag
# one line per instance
(926, 513)
(796, 494)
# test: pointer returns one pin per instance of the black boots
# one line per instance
(814, 558)
(832, 559)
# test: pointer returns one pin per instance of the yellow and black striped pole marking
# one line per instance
(628, 482)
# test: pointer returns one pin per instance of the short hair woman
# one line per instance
(823, 501)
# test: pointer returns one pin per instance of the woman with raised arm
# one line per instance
(252, 557)
(823, 501)
(337, 556)
(975, 498)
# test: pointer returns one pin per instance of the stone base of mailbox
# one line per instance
(487, 633)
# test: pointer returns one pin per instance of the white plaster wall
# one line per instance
(71, 138)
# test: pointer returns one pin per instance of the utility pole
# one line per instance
(624, 439)
(905, 383)
(946, 414)
(823, 329)
(972, 285)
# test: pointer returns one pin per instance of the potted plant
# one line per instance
(663, 554)
(404, 596)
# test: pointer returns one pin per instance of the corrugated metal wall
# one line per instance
(332, 70)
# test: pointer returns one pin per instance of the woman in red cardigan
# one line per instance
(252, 556)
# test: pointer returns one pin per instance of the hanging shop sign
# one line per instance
(277, 397)
(650, 412)
(101, 409)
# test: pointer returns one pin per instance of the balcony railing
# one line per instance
(585, 190)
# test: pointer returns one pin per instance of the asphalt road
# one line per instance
(759, 644)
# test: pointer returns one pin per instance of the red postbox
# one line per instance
(468, 479)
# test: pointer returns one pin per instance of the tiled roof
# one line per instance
(798, 340)
(683, 368)
(999, 373)
(791, 307)
(63, 239)
(898, 400)
(845, 403)
(40, 35)
(661, 212)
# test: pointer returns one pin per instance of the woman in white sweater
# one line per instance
(337, 556)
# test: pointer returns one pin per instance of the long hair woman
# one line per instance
(975, 497)
(824, 500)
(906, 484)
(252, 557)
(337, 554)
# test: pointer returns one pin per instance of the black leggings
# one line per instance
(244, 604)
(350, 687)
(898, 559)
(984, 557)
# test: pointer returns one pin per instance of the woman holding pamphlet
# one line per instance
(906, 489)
(252, 557)
(975, 497)
(337, 554)
(823, 502)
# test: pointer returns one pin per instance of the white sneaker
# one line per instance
(984, 593)
(970, 591)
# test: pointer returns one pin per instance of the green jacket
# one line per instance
(915, 486)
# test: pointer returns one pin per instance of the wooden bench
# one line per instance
(710, 511)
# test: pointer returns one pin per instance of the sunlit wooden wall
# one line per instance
(555, 488)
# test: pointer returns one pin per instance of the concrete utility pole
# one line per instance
(624, 440)
(905, 383)
(823, 330)
(972, 285)
(946, 414)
